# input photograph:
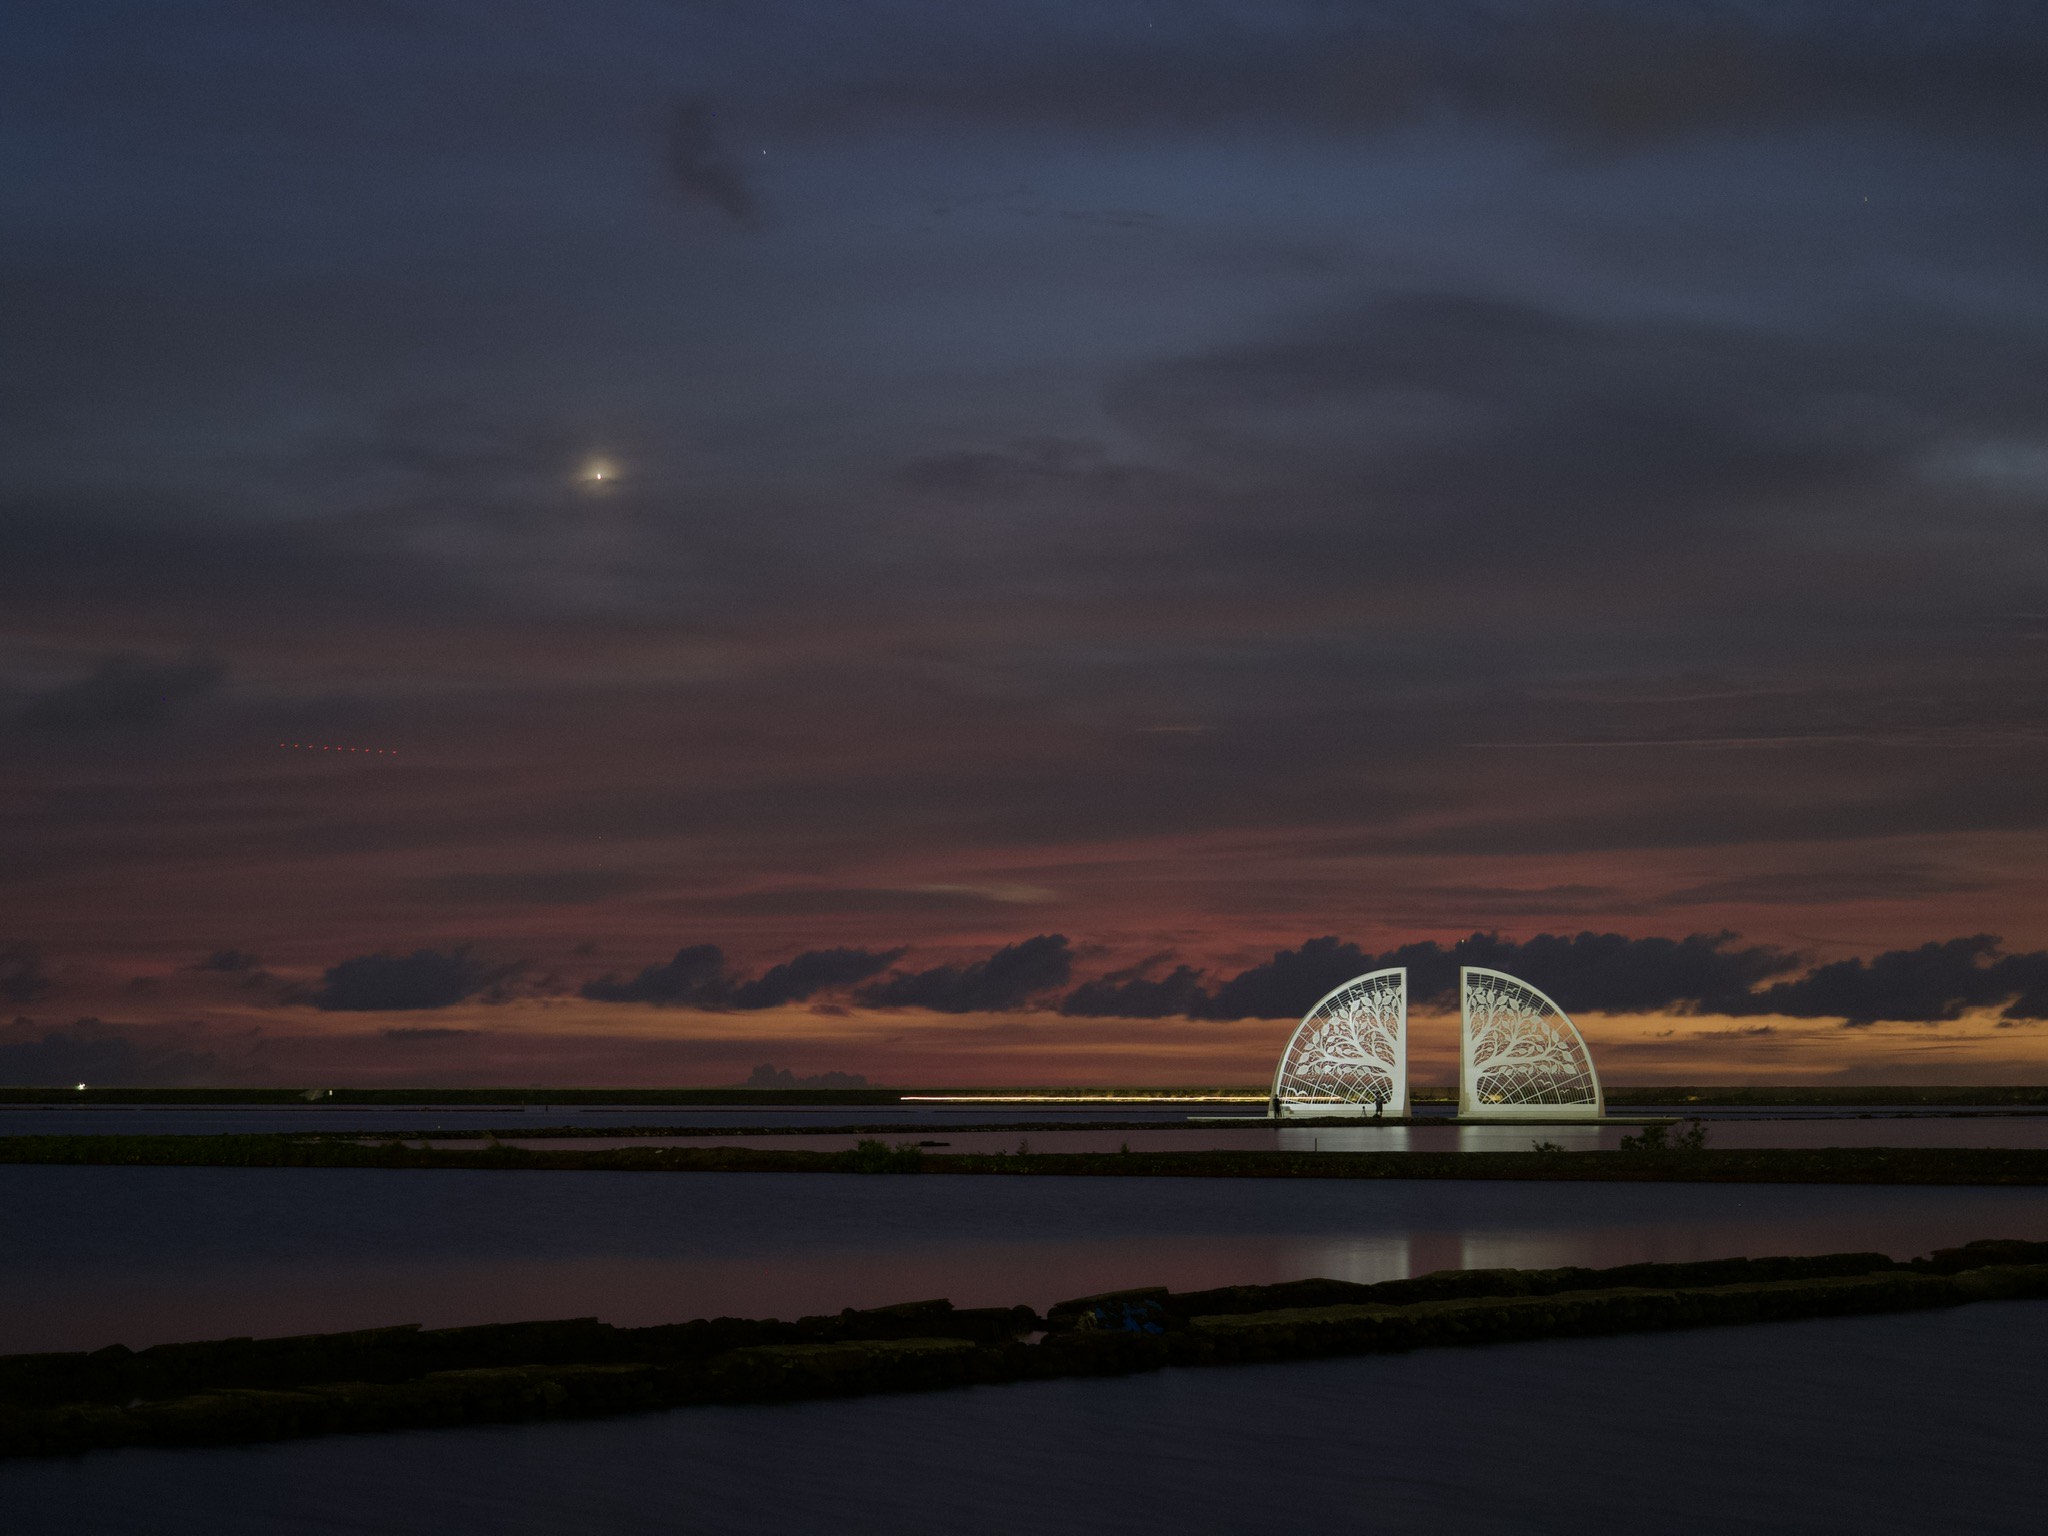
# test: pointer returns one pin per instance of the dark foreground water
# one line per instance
(91, 1256)
(1914, 1424)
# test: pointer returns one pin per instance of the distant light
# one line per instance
(598, 472)
(81, 1087)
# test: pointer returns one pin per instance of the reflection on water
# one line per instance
(1904, 1424)
(1805, 1131)
(1444, 1138)
(1159, 1127)
(143, 1255)
(1334, 1136)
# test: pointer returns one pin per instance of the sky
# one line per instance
(626, 541)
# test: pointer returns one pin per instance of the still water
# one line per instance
(1074, 1127)
(92, 1256)
(1335, 1136)
(1912, 1424)
(1053, 1127)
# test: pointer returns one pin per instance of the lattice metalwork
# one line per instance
(1520, 1053)
(1350, 1052)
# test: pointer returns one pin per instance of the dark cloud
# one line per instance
(96, 1054)
(1595, 972)
(426, 978)
(701, 169)
(697, 978)
(1612, 973)
(1603, 972)
(1287, 985)
(816, 970)
(23, 978)
(1124, 996)
(1011, 978)
(2027, 976)
(125, 690)
(1931, 984)
(404, 1036)
(1707, 973)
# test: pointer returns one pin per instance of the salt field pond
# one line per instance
(142, 1255)
(1794, 1427)
(1339, 1136)
(1910, 1423)
(1053, 1127)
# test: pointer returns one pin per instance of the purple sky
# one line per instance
(913, 479)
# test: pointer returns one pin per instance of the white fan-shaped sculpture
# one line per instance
(1520, 1057)
(1349, 1055)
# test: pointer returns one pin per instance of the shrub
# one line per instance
(1658, 1138)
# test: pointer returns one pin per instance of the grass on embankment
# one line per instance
(243, 1390)
(1765, 1165)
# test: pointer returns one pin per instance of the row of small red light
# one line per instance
(314, 746)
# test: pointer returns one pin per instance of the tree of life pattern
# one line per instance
(1520, 1049)
(1352, 1047)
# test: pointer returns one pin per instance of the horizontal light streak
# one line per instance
(1082, 1098)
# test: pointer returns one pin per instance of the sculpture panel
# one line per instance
(1520, 1053)
(1349, 1054)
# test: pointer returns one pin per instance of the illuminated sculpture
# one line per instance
(1349, 1055)
(1519, 1056)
